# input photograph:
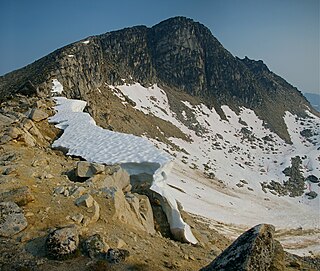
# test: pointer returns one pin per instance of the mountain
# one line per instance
(314, 100)
(178, 54)
(243, 144)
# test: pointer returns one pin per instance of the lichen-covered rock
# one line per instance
(95, 246)
(62, 242)
(254, 250)
(21, 196)
(12, 219)
(115, 255)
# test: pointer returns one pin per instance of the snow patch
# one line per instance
(85, 42)
(57, 86)
(82, 137)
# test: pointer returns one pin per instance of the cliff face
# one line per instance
(177, 53)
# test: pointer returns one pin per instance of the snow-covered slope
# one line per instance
(224, 171)
(82, 137)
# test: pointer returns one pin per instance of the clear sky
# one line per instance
(283, 33)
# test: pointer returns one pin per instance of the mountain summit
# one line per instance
(178, 54)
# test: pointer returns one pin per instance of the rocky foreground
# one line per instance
(60, 213)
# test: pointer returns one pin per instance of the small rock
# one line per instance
(62, 242)
(95, 246)
(313, 179)
(12, 220)
(86, 170)
(37, 114)
(117, 255)
(79, 191)
(121, 243)
(312, 195)
(21, 196)
(85, 200)
(59, 190)
(77, 218)
(8, 171)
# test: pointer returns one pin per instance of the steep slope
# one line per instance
(177, 54)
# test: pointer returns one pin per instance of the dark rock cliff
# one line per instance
(176, 53)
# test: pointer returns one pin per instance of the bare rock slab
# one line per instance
(37, 114)
(254, 250)
(12, 219)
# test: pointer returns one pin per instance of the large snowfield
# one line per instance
(236, 164)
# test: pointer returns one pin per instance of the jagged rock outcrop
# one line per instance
(254, 250)
(177, 53)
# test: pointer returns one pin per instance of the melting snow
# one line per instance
(57, 87)
(85, 42)
(82, 137)
(239, 148)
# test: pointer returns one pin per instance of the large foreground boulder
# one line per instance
(63, 242)
(254, 250)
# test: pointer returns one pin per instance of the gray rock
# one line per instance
(313, 179)
(59, 190)
(252, 251)
(62, 242)
(85, 200)
(95, 246)
(312, 195)
(86, 170)
(12, 219)
(115, 255)
(77, 218)
(78, 191)
(21, 196)
(37, 114)
(5, 139)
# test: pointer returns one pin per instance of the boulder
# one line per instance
(254, 250)
(120, 179)
(85, 200)
(313, 179)
(115, 255)
(62, 242)
(37, 114)
(86, 170)
(133, 209)
(95, 246)
(21, 196)
(78, 191)
(312, 194)
(12, 219)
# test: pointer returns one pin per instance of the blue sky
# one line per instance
(283, 33)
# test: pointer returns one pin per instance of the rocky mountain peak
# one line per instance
(177, 53)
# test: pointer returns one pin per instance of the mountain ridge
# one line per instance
(176, 53)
